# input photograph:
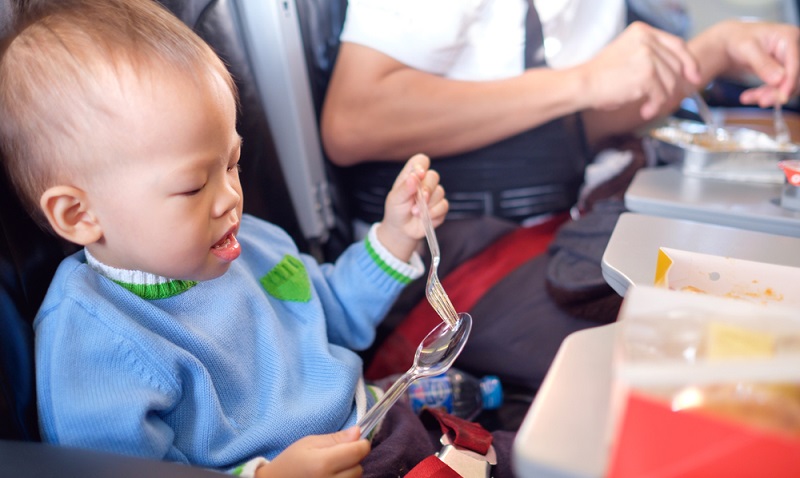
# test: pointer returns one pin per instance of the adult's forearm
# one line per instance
(709, 49)
(600, 125)
(391, 111)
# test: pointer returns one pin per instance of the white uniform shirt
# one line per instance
(481, 39)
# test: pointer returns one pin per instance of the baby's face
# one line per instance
(170, 202)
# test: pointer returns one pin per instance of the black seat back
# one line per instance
(28, 258)
(321, 24)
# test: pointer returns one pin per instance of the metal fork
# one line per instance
(782, 135)
(433, 290)
(714, 131)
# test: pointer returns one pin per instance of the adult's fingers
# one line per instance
(763, 96)
(761, 61)
(787, 51)
(677, 48)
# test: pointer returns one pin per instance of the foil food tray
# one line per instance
(744, 155)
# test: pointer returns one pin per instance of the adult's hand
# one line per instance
(771, 51)
(643, 66)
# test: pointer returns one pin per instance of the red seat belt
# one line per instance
(432, 467)
(463, 433)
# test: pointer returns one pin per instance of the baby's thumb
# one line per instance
(343, 436)
(350, 434)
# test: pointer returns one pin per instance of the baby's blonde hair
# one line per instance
(51, 72)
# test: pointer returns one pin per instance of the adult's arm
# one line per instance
(770, 51)
(378, 108)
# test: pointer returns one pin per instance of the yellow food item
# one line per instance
(691, 288)
(731, 341)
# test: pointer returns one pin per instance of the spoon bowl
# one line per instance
(434, 356)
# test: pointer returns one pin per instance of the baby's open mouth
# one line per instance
(228, 247)
(225, 241)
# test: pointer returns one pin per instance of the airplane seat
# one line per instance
(28, 259)
(292, 46)
(321, 23)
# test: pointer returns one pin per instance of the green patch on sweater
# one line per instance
(288, 281)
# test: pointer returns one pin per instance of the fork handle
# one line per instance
(375, 414)
(430, 235)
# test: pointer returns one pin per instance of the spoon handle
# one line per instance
(375, 414)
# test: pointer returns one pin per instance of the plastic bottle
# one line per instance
(454, 391)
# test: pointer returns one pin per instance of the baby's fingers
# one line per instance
(416, 165)
(344, 457)
(429, 182)
(438, 205)
(338, 454)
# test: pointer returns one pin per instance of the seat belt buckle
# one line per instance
(465, 462)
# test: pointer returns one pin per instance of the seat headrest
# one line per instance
(28, 258)
(321, 24)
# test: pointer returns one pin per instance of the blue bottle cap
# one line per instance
(492, 392)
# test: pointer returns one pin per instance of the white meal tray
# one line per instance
(665, 191)
(564, 434)
(631, 254)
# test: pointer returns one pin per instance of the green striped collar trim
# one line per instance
(383, 265)
(144, 284)
(164, 290)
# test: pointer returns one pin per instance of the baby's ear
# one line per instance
(68, 212)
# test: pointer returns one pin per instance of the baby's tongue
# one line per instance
(227, 249)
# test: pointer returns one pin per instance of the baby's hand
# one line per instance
(336, 454)
(402, 227)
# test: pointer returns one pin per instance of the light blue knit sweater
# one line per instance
(222, 372)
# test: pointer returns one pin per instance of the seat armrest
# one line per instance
(29, 459)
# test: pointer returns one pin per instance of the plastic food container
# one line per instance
(704, 386)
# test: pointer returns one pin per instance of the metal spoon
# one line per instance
(435, 354)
